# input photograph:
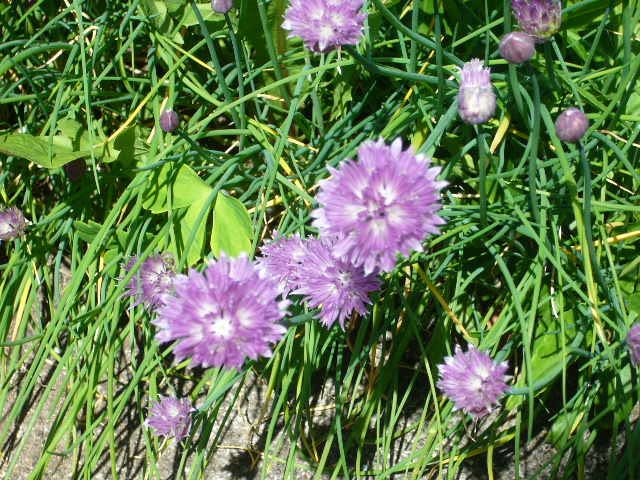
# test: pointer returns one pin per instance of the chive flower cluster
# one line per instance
(152, 281)
(539, 21)
(310, 268)
(325, 24)
(473, 381)
(223, 315)
(170, 417)
(381, 206)
(539, 18)
(371, 211)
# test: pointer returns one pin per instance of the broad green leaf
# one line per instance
(232, 229)
(122, 149)
(187, 224)
(186, 188)
(633, 105)
(41, 150)
(157, 10)
(75, 131)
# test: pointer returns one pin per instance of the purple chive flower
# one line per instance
(540, 18)
(169, 121)
(571, 125)
(383, 205)
(221, 6)
(12, 223)
(170, 417)
(473, 381)
(476, 98)
(633, 342)
(333, 284)
(222, 315)
(325, 24)
(154, 279)
(517, 47)
(281, 258)
(309, 268)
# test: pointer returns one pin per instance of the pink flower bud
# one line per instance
(169, 121)
(517, 47)
(571, 125)
(221, 6)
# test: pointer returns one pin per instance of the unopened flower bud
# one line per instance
(75, 170)
(476, 98)
(221, 6)
(517, 47)
(540, 18)
(169, 121)
(571, 125)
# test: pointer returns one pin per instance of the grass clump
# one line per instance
(536, 264)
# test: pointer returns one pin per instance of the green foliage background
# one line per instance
(537, 264)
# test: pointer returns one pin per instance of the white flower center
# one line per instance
(344, 278)
(326, 32)
(337, 19)
(378, 226)
(222, 327)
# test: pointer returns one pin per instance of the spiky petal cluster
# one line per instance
(12, 223)
(382, 205)
(540, 18)
(476, 98)
(332, 284)
(170, 417)
(309, 268)
(223, 315)
(571, 125)
(473, 381)
(281, 259)
(154, 280)
(325, 24)
(633, 342)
